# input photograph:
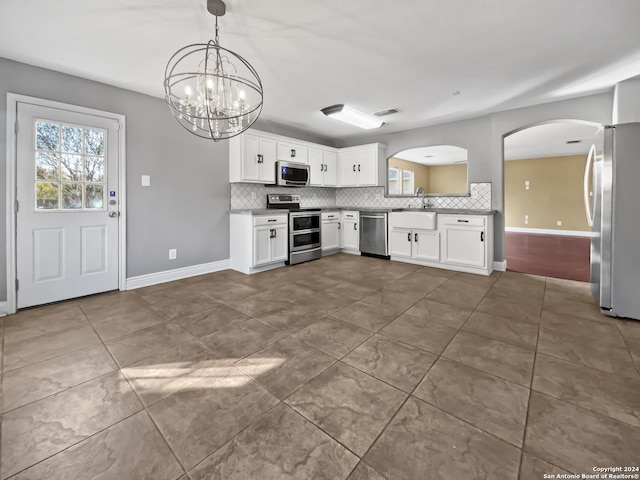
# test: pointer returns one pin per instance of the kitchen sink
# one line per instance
(417, 218)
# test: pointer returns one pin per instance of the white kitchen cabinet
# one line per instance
(350, 231)
(292, 152)
(464, 240)
(322, 166)
(467, 241)
(450, 241)
(416, 244)
(359, 165)
(331, 228)
(252, 159)
(258, 242)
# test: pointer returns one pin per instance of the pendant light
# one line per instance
(211, 91)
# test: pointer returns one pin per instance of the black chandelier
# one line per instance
(212, 92)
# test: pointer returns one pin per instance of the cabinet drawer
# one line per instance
(462, 220)
(330, 215)
(269, 220)
(350, 215)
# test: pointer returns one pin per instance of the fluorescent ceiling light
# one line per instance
(351, 115)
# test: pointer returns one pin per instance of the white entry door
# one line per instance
(67, 192)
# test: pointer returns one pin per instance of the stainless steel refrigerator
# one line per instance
(613, 209)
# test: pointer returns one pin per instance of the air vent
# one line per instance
(388, 111)
(572, 142)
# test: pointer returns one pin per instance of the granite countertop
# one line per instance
(452, 211)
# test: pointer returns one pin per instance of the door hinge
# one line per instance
(17, 206)
(16, 127)
(17, 284)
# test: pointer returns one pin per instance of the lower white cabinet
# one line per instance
(457, 242)
(350, 231)
(258, 242)
(417, 244)
(465, 240)
(331, 229)
(269, 244)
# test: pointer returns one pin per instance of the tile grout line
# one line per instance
(144, 407)
(411, 394)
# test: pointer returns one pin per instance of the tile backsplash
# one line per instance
(241, 197)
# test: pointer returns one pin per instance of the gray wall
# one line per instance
(483, 138)
(186, 205)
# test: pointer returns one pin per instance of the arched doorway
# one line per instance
(546, 228)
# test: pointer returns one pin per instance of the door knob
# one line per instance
(113, 214)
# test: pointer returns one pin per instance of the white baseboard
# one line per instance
(549, 231)
(3, 309)
(500, 266)
(176, 274)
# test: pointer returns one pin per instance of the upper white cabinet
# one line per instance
(292, 152)
(322, 164)
(359, 165)
(252, 158)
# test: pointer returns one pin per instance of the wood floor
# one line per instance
(556, 256)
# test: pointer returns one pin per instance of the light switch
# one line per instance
(146, 180)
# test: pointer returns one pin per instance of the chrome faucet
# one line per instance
(420, 191)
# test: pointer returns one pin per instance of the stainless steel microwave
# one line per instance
(291, 174)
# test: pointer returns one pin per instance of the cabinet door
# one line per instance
(316, 167)
(400, 242)
(348, 165)
(465, 246)
(367, 166)
(350, 235)
(330, 235)
(291, 152)
(426, 245)
(250, 161)
(279, 244)
(268, 165)
(330, 160)
(262, 245)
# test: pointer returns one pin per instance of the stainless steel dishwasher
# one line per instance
(373, 233)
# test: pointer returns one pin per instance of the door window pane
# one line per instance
(71, 139)
(95, 196)
(94, 169)
(47, 166)
(47, 136)
(71, 196)
(46, 196)
(94, 142)
(70, 168)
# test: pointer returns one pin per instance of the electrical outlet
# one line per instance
(253, 195)
(526, 185)
(145, 180)
(378, 196)
(526, 221)
(173, 253)
(474, 194)
(559, 223)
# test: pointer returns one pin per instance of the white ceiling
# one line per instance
(434, 155)
(371, 54)
(550, 140)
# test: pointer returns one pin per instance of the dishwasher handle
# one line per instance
(371, 216)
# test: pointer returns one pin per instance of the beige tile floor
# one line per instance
(346, 367)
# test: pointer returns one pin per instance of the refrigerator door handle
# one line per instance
(587, 170)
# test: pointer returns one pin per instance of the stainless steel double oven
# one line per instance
(305, 241)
